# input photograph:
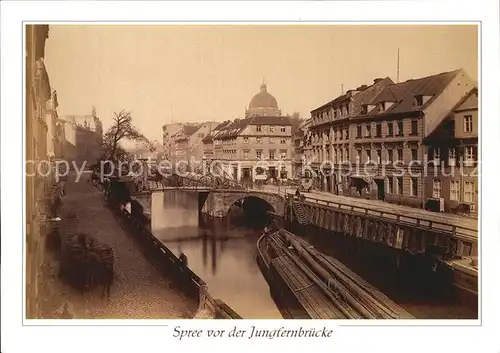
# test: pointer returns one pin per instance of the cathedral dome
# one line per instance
(263, 99)
(263, 104)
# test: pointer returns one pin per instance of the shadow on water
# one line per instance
(221, 251)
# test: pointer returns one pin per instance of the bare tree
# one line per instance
(121, 129)
(296, 121)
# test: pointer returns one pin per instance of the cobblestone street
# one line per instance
(139, 290)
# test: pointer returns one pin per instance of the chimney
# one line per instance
(377, 80)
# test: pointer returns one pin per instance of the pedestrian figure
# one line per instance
(183, 258)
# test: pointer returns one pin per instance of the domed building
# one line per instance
(263, 104)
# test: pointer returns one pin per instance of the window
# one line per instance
(368, 155)
(283, 129)
(368, 130)
(379, 130)
(414, 154)
(418, 101)
(259, 128)
(437, 155)
(469, 155)
(468, 123)
(245, 139)
(358, 156)
(414, 187)
(436, 188)
(271, 154)
(259, 139)
(271, 140)
(358, 134)
(390, 156)
(399, 185)
(271, 128)
(347, 133)
(283, 154)
(469, 191)
(414, 127)
(452, 157)
(283, 141)
(455, 190)
(245, 154)
(400, 155)
(259, 154)
(400, 128)
(391, 185)
(390, 129)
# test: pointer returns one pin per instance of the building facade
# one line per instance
(208, 141)
(39, 188)
(84, 136)
(452, 177)
(259, 146)
(330, 143)
(168, 131)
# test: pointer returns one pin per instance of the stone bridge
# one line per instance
(217, 203)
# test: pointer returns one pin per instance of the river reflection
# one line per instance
(222, 254)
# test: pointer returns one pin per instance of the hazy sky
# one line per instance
(196, 73)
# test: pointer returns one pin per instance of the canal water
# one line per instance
(221, 253)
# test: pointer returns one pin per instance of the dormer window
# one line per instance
(381, 106)
(364, 109)
(418, 100)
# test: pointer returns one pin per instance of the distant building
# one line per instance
(183, 147)
(83, 138)
(299, 142)
(208, 141)
(168, 131)
(260, 144)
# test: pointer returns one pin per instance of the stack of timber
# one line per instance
(309, 284)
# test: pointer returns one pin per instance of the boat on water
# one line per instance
(307, 284)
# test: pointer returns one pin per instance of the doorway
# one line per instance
(380, 188)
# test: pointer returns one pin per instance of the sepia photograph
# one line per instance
(288, 171)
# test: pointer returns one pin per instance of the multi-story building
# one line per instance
(452, 174)
(83, 139)
(208, 141)
(182, 147)
(39, 96)
(330, 141)
(299, 144)
(390, 132)
(168, 131)
(260, 144)
(379, 143)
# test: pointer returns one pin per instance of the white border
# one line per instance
(31, 339)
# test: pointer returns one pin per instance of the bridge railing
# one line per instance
(459, 232)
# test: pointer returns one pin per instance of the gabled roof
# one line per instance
(232, 129)
(237, 126)
(468, 102)
(361, 94)
(271, 120)
(403, 94)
